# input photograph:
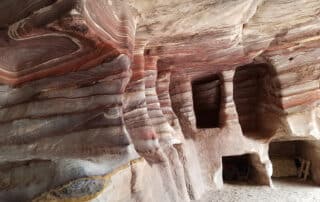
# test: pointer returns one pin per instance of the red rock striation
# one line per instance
(112, 100)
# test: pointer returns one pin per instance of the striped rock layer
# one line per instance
(141, 100)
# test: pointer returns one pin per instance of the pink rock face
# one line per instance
(112, 100)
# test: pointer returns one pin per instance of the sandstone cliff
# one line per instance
(113, 100)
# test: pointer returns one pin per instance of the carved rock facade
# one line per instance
(109, 100)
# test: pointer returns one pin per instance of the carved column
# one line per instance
(136, 114)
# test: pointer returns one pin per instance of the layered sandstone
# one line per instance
(141, 100)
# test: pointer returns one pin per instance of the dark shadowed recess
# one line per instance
(288, 157)
(236, 168)
(255, 100)
(206, 101)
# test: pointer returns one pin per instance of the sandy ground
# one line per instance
(284, 190)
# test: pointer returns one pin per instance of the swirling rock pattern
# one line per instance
(140, 100)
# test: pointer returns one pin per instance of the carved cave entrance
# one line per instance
(206, 101)
(290, 159)
(253, 96)
(236, 168)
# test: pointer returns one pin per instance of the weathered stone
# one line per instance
(143, 100)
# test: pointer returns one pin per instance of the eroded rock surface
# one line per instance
(141, 100)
